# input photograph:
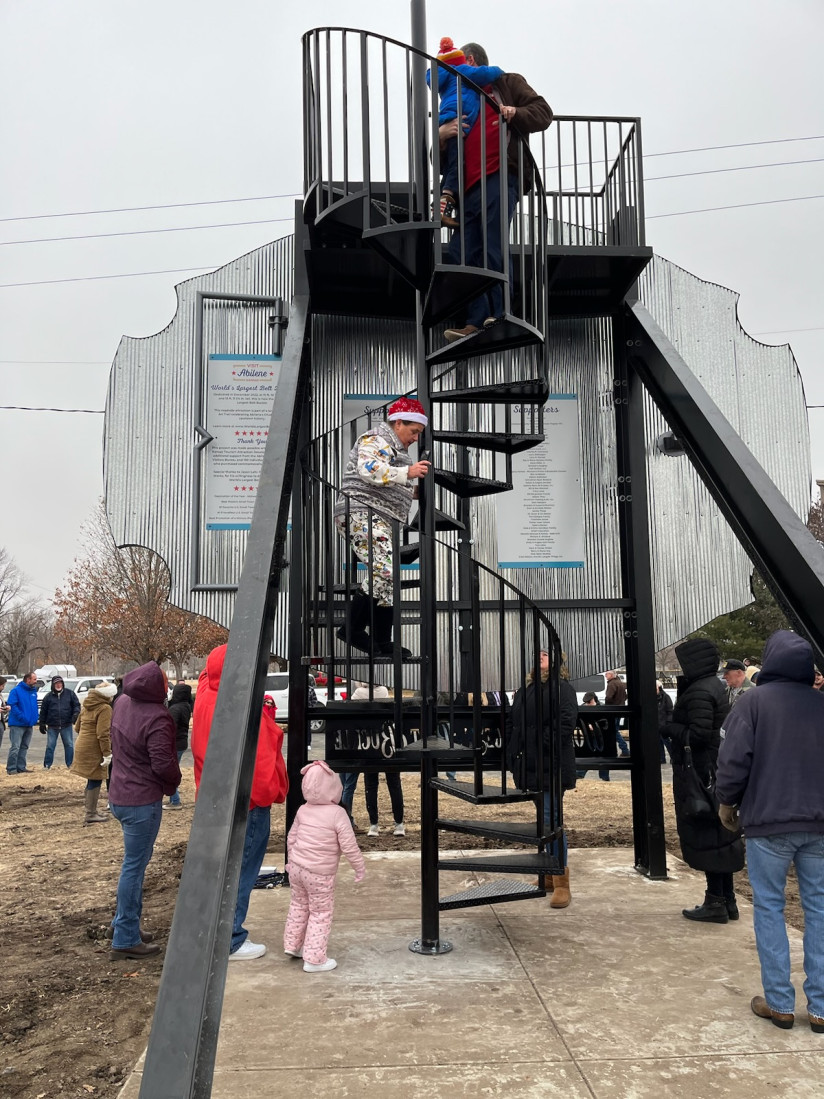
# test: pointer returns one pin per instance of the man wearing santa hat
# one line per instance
(378, 487)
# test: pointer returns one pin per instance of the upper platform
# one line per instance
(575, 241)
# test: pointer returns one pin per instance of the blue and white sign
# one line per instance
(240, 393)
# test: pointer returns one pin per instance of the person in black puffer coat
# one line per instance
(697, 717)
(522, 748)
(180, 708)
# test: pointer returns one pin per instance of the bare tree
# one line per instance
(12, 581)
(21, 637)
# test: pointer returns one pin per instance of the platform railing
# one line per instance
(594, 179)
(360, 139)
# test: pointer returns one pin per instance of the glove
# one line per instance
(107, 759)
(729, 817)
(42, 728)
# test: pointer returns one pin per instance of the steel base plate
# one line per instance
(418, 946)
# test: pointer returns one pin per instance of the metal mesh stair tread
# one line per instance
(467, 484)
(533, 391)
(489, 440)
(515, 831)
(526, 862)
(491, 795)
(493, 892)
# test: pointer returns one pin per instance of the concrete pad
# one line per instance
(528, 1081)
(348, 1024)
(763, 1076)
(615, 997)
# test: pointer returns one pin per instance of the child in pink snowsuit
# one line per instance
(319, 834)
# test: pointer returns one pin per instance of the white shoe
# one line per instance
(322, 967)
(399, 829)
(373, 831)
(294, 953)
(248, 950)
(267, 870)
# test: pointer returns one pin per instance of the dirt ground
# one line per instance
(72, 1021)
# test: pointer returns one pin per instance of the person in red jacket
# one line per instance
(269, 786)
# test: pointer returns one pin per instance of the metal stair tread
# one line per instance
(490, 440)
(508, 333)
(527, 862)
(491, 795)
(493, 892)
(443, 521)
(468, 485)
(516, 831)
(532, 391)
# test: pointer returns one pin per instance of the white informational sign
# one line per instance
(540, 524)
(240, 392)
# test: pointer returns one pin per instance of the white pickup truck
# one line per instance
(277, 688)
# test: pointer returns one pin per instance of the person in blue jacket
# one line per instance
(22, 716)
(470, 109)
(58, 713)
(770, 767)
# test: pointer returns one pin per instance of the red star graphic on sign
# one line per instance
(237, 488)
(237, 433)
(243, 489)
(244, 432)
(271, 373)
(265, 432)
(233, 373)
(251, 488)
(260, 433)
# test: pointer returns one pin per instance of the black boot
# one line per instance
(713, 910)
(732, 907)
(357, 619)
(384, 618)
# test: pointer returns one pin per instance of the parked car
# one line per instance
(81, 686)
(277, 689)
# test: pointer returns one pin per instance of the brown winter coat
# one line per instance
(93, 741)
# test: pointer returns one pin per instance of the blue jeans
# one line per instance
(491, 302)
(254, 852)
(175, 798)
(19, 741)
(140, 824)
(350, 782)
(768, 860)
(67, 736)
(550, 823)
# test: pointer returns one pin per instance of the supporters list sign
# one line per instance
(540, 521)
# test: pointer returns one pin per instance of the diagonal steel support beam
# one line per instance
(776, 539)
(183, 1041)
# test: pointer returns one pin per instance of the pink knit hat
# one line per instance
(407, 408)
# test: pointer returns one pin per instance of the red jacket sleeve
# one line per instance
(269, 782)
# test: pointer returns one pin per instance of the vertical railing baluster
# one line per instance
(345, 110)
(329, 156)
(387, 169)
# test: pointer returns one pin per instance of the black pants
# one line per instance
(393, 782)
(720, 885)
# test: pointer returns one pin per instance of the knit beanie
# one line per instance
(448, 53)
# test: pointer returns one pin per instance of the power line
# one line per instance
(57, 362)
(778, 331)
(161, 206)
(740, 145)
(295, 194)
(736, 206)
(122, 275)
(743, 168)
(26, 408)
(143, 232)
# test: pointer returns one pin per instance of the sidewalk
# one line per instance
(616, 996)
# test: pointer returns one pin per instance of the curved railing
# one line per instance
(371, 137)
(477, 666)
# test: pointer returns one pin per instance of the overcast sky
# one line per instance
(160, 102)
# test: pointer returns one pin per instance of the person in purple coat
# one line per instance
(144, 768)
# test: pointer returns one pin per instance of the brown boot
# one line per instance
(761, 1008)
(90, 801)
(561, 895)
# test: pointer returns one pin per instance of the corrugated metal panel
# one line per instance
(699, 570)
(150, 416)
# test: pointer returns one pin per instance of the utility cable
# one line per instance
(26, 408)
(122, 275)
(736, 206)
(144, 232)
(742, 168)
